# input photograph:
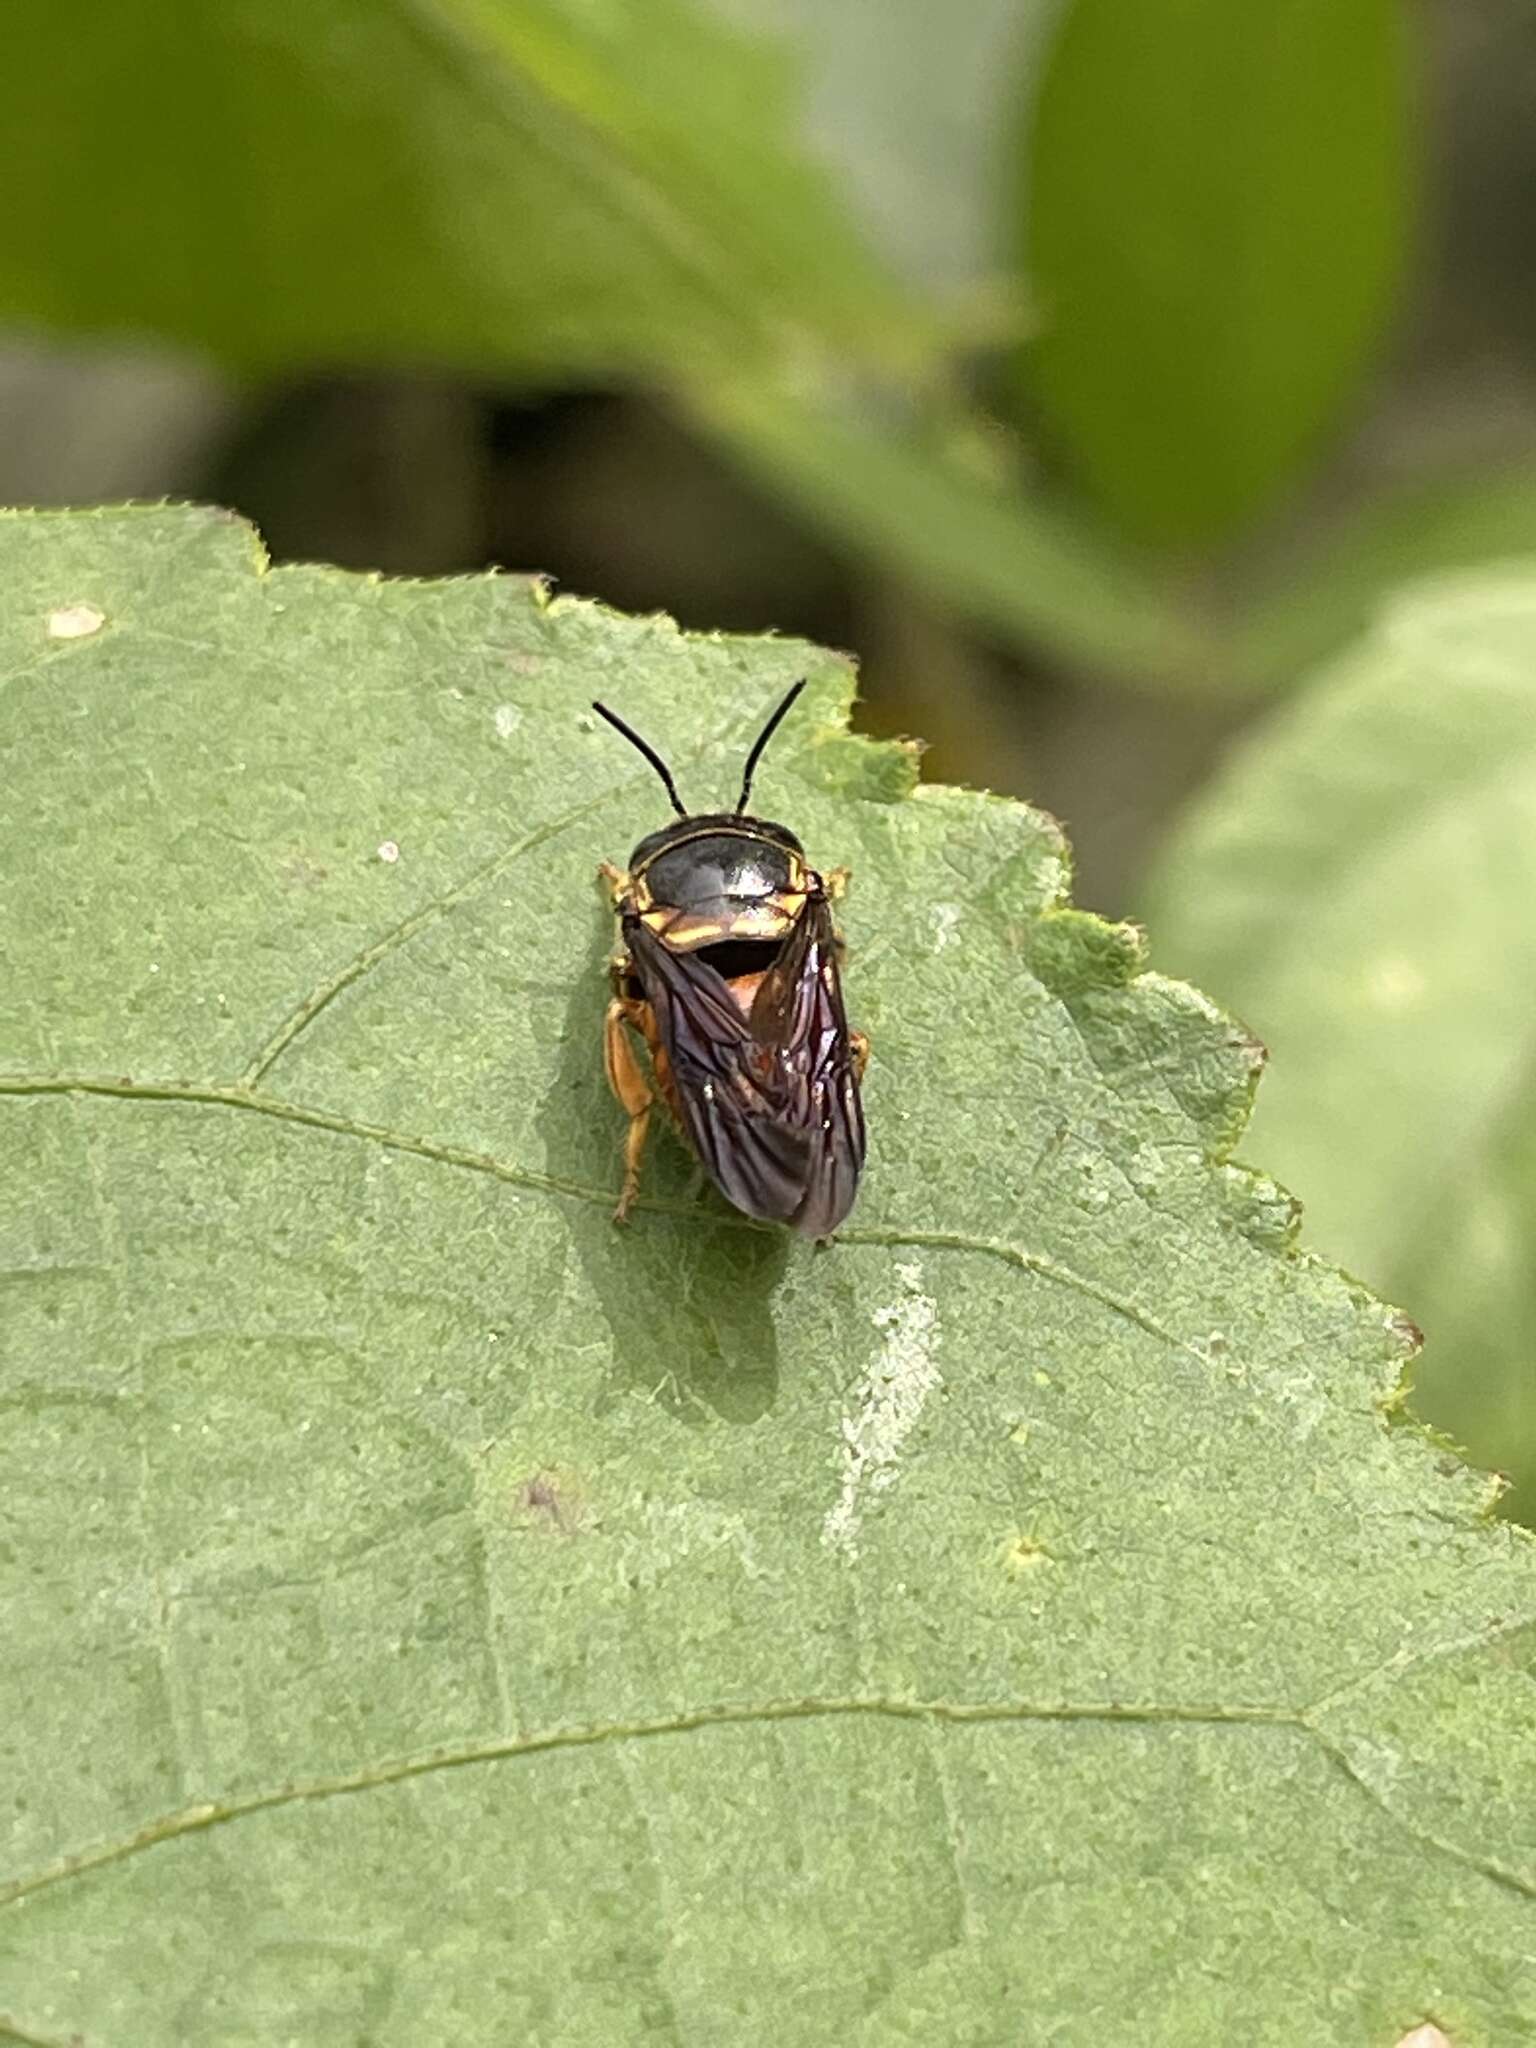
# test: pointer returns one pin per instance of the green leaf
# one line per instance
(544, 189)
(1214, 232)
(522, 183)
(433, 1615)
(1357, 885)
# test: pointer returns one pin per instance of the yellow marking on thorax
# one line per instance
(684, 931)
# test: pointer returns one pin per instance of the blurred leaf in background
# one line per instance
(1441, 521)
(505, 186)
(525, 187)
(912, 109)
(1218, 197)
(1358, 886)
(480, 182)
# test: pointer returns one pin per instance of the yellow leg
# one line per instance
(615, 880)
(835, 881)
(627, 1079)
(859, 1046)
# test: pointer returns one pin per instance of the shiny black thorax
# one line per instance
(717, 860)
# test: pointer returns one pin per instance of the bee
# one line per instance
(728, 972)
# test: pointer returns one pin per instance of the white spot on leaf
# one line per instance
(75, 622)
(389, 853)
(892, 1396)
(946, 918)
(508, 719)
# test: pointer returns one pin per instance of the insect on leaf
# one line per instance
(431, 1614)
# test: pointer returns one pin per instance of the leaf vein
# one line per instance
(325, 993)
(196, 1819)
(1491, 1867)
(237, 1096)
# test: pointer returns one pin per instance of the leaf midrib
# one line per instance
(199, 1818)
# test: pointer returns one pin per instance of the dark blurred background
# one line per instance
(1094, 375)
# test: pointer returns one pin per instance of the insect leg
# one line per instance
(858, 1045)
(835, 881)
(628, 1081)
(615, 881)
(634, 1147)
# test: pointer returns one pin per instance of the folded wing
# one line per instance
(769, 1099)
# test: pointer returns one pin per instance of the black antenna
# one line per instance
(651, 754)
(761, 741)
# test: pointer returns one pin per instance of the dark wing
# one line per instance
(769, 1101)
(799, 1013)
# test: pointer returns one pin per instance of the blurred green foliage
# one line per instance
(1096, 372)
(1357, 883)
(1214, 231)
(472, 183)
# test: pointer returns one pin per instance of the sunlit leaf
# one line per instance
(430, 1614)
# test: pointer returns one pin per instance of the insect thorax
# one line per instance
(704, 862)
